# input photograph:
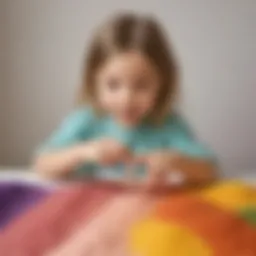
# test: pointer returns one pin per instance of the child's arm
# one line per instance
(60, 163)
(193, 158)
(184, 155)
(195, 170)
(60, 153)
(165, 165)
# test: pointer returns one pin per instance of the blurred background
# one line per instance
(42, 44)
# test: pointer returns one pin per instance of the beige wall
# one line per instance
(2, 78)
(214, 40)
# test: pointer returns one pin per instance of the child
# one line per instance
(130, 81)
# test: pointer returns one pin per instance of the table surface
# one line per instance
(23, 175)
(29, 175)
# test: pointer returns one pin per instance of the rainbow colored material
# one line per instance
(97, 219)
(218, 221)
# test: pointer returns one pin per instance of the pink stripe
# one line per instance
(105, 235)
(47, 225)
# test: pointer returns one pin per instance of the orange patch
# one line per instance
(226, 233)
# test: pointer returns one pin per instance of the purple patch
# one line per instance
(17, 197)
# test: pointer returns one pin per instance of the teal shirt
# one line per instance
(83, 125)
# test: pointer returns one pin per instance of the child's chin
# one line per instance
(130, 122)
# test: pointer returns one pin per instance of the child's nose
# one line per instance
(127, 98)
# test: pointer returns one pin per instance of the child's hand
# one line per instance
(105, 152)
(159, 165)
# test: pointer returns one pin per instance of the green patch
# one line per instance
(249, 214)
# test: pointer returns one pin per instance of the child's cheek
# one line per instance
(147, 103)
(108, 102)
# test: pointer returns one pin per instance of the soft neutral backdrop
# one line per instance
(41, 49)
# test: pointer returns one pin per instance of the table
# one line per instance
(28, 175)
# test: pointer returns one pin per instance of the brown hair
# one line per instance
(133, 32)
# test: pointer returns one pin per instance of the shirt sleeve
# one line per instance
(75, 128)
(184, 140)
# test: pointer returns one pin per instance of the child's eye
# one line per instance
(113, 84)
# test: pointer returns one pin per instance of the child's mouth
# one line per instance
(129, 116)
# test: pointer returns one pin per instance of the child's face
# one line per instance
(127, 86)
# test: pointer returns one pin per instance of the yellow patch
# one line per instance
(152, 237)
(232, 195)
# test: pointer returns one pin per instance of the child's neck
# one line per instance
(127, 125)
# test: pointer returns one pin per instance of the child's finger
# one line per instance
(140, 159)
(152, 178)
(108, 159)
(126, 156)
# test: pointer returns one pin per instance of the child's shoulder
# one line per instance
(176, 123)
(174, 119)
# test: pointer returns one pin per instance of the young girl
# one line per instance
(127, 116)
